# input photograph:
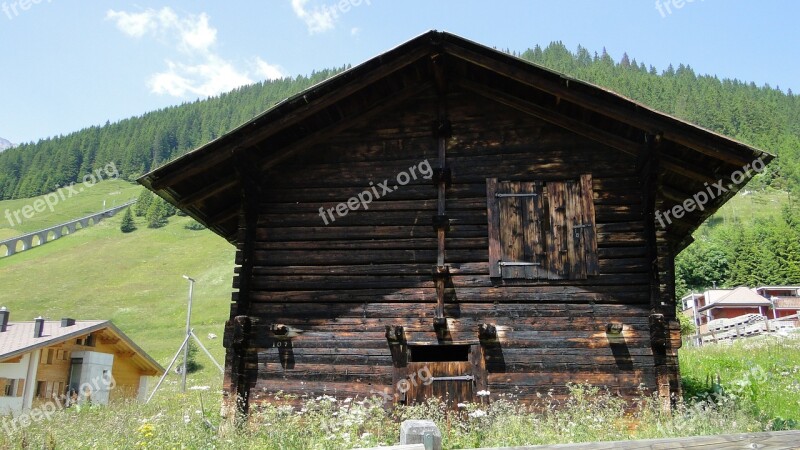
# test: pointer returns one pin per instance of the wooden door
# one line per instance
(451, 381)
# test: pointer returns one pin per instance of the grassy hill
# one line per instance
(132, 279)
(89, 200)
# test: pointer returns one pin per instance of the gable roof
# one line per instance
(19, 339)
(741, 296)
(207, 182)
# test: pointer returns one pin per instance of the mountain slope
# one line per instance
(133, 279)
(5, 144)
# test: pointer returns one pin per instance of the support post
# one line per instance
(188, 333)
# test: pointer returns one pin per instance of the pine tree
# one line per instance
(127, 225)
(143, 203)
(157, 213)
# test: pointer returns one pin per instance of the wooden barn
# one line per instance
(446, 219)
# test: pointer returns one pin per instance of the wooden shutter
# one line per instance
(573, 253)
(557, 244)
(493, 214)
(535, 239)
(589, 232)
(20, 387)
(515, 214)
(533, 228)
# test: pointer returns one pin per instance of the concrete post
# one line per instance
(421, 432)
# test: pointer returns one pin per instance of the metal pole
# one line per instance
(210, 356)
(169, 367)
(188, 333)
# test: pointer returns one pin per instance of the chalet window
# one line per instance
(10, 387)
(46, 389)
(87, 341)
(542, 230)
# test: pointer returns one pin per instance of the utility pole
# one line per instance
(188, 333)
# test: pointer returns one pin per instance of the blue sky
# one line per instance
(68, 64)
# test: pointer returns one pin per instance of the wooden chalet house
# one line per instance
(49, 361)
(448, 210)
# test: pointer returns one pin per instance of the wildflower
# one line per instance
(199, 388)
(462, 405)
(146, 430)
(482, 393)
(477, 413)
(186, 419)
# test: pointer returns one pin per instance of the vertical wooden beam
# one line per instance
(442, 131)
(662, 314)
(242, 372)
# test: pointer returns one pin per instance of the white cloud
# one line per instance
(317, 20)
(354, 31)
(133, 24)
(198, 35)
(193, 32)
(268, 71)
(203, 72)
(209, 78)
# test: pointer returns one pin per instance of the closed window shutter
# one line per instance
(535, 239)
(533, 227)
(516, 244)
(20, 387)
(557, 244)
(493, 215)
(588, 232)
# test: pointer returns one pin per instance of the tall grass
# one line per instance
(760, 372)
(192, 420)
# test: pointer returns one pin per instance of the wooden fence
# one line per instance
(775, 440)
(749, 325)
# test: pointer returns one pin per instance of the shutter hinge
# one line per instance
(454, 378)
(532, 194)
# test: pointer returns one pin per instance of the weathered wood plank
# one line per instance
(493, 214)
(771, 440)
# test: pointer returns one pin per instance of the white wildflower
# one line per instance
(482, 393)
(477, 413)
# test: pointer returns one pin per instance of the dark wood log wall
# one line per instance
(321, 295)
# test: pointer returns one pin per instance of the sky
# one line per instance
(68, 64)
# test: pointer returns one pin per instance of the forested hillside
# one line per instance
(726, 253)
(139, 144)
